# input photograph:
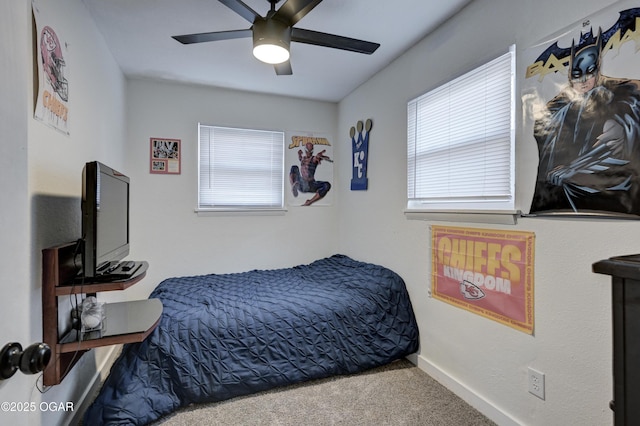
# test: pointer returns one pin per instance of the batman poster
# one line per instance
(581, 104)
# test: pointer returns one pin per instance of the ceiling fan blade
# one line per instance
(214, 36)
(241, 9)
(283, 68)
(294, 10)
(330, 40)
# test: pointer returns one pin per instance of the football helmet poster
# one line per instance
(52, 105)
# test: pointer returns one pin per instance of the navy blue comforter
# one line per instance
(221, 336)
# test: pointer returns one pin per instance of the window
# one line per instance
(460, 142)
(240, 169)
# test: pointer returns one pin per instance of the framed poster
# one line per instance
(164, 156)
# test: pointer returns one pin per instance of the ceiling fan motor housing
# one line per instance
(271, 34)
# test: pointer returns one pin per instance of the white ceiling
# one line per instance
(138, 33)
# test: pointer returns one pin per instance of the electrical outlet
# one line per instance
(536, 383)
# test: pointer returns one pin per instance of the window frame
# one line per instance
(479, 205)
(204, 208)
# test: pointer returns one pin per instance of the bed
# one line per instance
(226, 335)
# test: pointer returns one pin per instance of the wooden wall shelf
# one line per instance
(125, 322)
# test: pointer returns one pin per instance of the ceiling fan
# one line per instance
(273, 33)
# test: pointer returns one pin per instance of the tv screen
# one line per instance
(105, 218)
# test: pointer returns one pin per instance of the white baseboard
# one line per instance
(466, 394)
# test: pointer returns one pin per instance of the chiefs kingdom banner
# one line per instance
(485, 271)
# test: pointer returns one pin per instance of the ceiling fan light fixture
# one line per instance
(271, 41)
(271, 53)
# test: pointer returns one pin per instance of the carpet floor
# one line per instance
(396, 394)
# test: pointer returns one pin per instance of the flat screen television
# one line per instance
(105, 218)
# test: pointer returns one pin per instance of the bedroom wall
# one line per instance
(41, 182)
(481, 360)
(165, 229)
(14, 248)
(41, 178)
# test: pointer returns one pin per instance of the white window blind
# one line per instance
(460, 142)
(240, 168)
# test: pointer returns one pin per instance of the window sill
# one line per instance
(240, 212)
(491, 217)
